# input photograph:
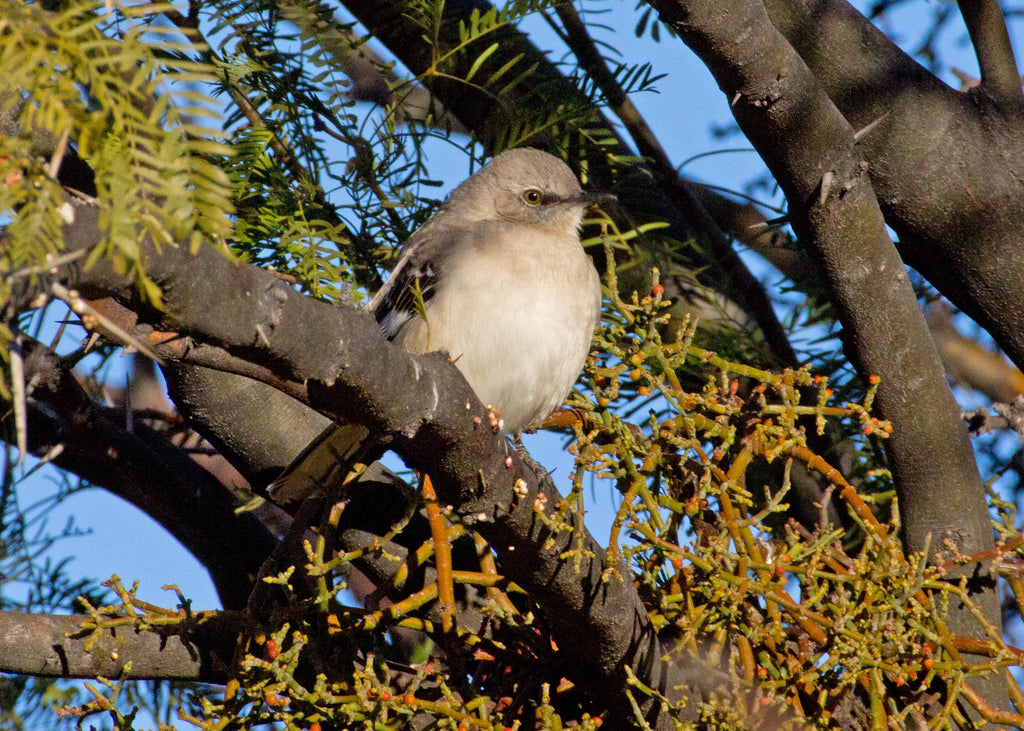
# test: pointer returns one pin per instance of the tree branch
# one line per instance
(956, 207)
(141, 466)
(54, 646)
(811, 151)
(991, 40)
(745, 287)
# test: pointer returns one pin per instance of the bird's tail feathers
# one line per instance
(327, 460)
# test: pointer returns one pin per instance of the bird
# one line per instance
(498, 279)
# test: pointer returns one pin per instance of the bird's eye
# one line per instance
(532, 197)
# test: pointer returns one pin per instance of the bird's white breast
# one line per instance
(515, 323)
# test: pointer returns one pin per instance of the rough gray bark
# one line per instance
(947, 166)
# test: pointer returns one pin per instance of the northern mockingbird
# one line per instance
(498, 279)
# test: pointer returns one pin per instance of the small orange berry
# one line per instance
(928, 663)
(272, 649)
(657, 290)
(385, 695)
(314, 726)
(874, 380)
(408, 699)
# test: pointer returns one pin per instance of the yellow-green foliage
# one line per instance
(121, 92)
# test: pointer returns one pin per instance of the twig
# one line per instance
(18, 395)
(82, 308)
(442, 556)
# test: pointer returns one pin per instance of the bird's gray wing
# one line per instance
(412, 281)
(331, 456)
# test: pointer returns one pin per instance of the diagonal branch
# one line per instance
(683, 194)
(656, 194)
(956, 207)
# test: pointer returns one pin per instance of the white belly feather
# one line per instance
(537, 336)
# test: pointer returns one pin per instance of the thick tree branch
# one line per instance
(811, 151)
(142, 466)
(947, 167)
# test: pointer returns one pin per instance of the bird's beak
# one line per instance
(597, 198)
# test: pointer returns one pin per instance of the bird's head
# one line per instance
(527, 186)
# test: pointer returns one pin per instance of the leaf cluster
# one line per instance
(102, 83)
